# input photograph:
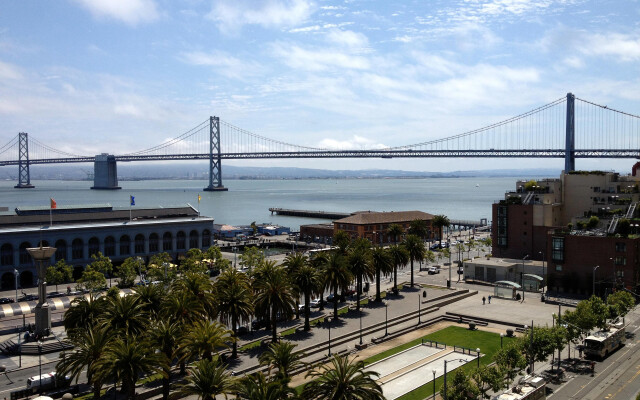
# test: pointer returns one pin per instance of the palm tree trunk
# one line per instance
(322, 300)
(297, 308)
(234, 346)
(378, 284)
(274, 332)
(335, 304)
(96, 391)
(307, 298)
(165, 386)
(412, 272)
(358, 291)
(395, 278)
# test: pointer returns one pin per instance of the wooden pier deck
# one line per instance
(308, 213)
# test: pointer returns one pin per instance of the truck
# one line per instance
(48, 381)
(601, 343)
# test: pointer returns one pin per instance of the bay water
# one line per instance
(249, 200)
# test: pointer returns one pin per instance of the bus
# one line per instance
(601, 343)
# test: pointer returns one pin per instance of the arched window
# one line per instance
(77, 247)
(25, 258)
(166, 242)
(6, 254)
(109, 246)
(43, 243)
(125, 245)
(193, 240)
(206, 239)
(153, 243)
(8, 281)
(180, 240)
(139, 244)
(61, 249)
(94, 246)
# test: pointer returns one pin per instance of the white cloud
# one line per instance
(8, 71)
(347, 38)
(222, 63)
(573, 62)
(232, 15)
(318, 60)
(617, 45)
(355, 142)
(130, 12)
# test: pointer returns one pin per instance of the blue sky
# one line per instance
(91, 76)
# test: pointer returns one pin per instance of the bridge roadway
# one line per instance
(408, 153)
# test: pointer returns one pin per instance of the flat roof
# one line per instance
(386, 217)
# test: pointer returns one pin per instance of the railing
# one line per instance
(433, 343)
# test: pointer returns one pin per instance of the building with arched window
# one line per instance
(78, 232)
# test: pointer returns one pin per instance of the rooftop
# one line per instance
(372, 217)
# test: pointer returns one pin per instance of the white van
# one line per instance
(47, 381)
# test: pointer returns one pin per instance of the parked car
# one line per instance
(28, 297)
(433, 270)
(6, 300)
(348, 292)
(435, 246)
(331, 298)
(52, 295)
(315, 303)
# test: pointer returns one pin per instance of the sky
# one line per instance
(93, 76)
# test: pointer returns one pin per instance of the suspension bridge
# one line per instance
(567, 128)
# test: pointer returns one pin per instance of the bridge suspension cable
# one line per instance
(602, 127)
(238, 140)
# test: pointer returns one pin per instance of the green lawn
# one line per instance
(488, 343)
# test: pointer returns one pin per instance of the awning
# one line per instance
(508, 283)
(533, 276)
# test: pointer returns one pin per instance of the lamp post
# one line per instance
(139, 264)
(418, 308)
(434, 383)
(40, 366)
(386, 315)
(329, 326)
(42, 312)
(544, 271)
(522, 277)
(15, 274)
(444, 395)
(360, 315)
(478, 352)
(593, 291)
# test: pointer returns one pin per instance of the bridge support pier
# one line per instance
(105, 173)
(215, 164)
(24, 179)
(570, 147)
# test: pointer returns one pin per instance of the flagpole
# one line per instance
(130, 207)
(50, 215)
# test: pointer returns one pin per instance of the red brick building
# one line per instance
(374, 225)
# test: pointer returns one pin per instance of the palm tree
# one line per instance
(203, 339)
(257, 387)
(197, 285)
(283, 357)
(89, 349)
(382, 263)
(307, 280)
(83, 314)
(127, 359)
(360, 267)
(400, 257)
(343, 380)
(440, 221)
(318, 261)
(274, 293)
(208, 378)
(234, 300)
(418, 227)
(341, 240)
(150, 297)
(125, 315)
(416, 249)
(337, 277)
(395, 231)
(164, 337)
(293, 262)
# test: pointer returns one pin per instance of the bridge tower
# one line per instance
(24, 179)
(570, 147)
(105, 172)
(215, 165)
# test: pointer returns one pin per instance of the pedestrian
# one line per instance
(489, 299)
(483, 300)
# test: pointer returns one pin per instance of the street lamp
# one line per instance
(434, 383)
(501, 336)
(544, 270)
(139, 261)
(478, 352)
(42, 312)
(329, 326)
(386, 315)
(40, 365)
(522, 277)
(360, 315)
(444, 395)
(419, 308)
(593, 291)
(15, 274)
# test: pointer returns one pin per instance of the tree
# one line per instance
(440, 221)
(207, 379)
(360, 267)
(125, 316)
(487, 378)
(204, 338)
(337, 277)
(101, 264)
(151, 298)
(251, 258)
(593, 222)
(308, 281)
(460, 387)
(620, 303)
(530, 185)
(234, 300)
(89, 348)
(83, 315)
(128, 358)
(127, 272)
(343, 379)
(214, 256)
(511, 361)
(341, 240)
(624, 227)
(400, 257)
(92, 280)
(415, 248)
(418, 227)
(599, 310)
(274, 293)
(293, 262)
(199, 287)
(59, 273)
(282, 357)
(193, 261)
(395, 231)
(257, 387)
(382, 263)
(539, 346)
(164, 337)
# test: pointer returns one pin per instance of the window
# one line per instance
(153, 243)
(621, 247)
(180, 240)
(125, 245)
(621, 260)
(557, 249)
(94, 246)
(502, 226)
(193, 240)
(139, 244)
(167, 240)
(61, 250)
(559, 267)
(596, 189)
(6, 254)
(77, 247)
(109, 246)
(206, 238)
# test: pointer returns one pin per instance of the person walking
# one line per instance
(483, 300)
(489, 299)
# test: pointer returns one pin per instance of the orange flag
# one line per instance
(53, 203)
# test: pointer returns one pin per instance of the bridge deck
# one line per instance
(308, 213)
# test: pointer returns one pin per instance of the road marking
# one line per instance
(628, 382)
